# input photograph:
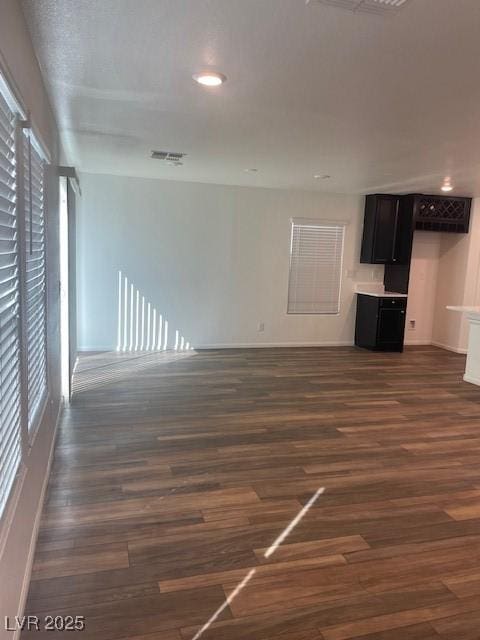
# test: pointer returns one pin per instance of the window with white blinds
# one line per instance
(316, 255)
(10, 383)
(23, 304)
(35, 278)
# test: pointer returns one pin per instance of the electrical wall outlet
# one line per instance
(261, 327)
(412, 324)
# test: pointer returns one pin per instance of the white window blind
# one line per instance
(316, 254)
(10, 384)
(35, 279)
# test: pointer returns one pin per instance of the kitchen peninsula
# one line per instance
(472, 368)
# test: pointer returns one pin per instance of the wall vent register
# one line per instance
(169, 157)
(365, 6)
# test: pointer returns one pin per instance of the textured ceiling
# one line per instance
(379, 103)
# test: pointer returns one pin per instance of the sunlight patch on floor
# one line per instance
(119, 367)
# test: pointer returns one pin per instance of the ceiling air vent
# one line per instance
(169, 157)
(367, 6)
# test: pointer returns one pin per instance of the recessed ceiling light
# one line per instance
(253, 170)
(319, 176)
(210, 78)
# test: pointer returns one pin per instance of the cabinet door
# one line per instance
(386, 225)
(391, 326)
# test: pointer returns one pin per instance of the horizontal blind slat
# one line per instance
(35, 284)
(10, 394)
(315, 267)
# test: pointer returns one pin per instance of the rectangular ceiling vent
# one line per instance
(170, 157)
(366, 6)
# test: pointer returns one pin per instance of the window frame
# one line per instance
(25, 436)
(12, 438)
(316, 222)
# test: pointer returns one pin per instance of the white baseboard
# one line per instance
(449, 347)
(270, 345)
(275, 345)
(243, 345)
(36, 526)
(433, 343)
(472, 380)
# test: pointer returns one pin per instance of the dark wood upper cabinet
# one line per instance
(385, 231)
(441, 213)
(391, 219)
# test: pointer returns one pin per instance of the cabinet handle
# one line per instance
(395, 231)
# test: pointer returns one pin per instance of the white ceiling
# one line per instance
(379, 103)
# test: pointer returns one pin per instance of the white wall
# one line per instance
(212, 259)
(423, 287)
(445, 270)
(18, 526)
(458, 283)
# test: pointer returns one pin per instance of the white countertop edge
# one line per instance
(384, 294)
(463, 309)
(473, 313)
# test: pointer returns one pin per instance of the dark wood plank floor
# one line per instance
(174, 473)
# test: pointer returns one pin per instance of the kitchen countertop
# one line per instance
(472, 366)
(473, 312)
(377, 291)
(464, 309)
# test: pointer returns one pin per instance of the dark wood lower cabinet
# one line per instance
(380, 323)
